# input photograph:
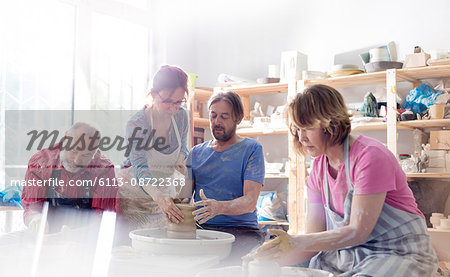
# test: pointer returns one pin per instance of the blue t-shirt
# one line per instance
(221, 175)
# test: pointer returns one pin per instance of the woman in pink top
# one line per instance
(362, 218)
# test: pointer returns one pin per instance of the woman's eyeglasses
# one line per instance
(297, 131)
(176, 103)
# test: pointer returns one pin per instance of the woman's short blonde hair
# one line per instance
(320, 106)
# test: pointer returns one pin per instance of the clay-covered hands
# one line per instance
(169, 209)
(277, 248)
(210, 209)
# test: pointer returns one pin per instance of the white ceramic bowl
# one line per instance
(154, 241)
(435, 221)
(375, 66)
(445, 223)
(437, 215)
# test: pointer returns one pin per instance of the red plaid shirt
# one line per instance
(41, 166)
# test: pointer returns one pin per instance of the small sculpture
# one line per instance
(422, 162)
(256, 112)
(370, 107)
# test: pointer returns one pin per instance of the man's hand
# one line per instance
(210, 209)
(169, 209)
(35, 224)
(277, 248)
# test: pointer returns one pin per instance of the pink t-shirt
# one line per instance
(373, 169)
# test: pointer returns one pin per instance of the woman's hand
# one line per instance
(277, 248)
(211, 208)
(181, 168)
(169, 209)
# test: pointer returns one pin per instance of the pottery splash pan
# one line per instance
(155, 241)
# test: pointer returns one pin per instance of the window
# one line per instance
(119, 63)
(72, 54)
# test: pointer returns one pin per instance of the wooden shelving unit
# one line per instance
(422, 124)
(10, 208)
(260, 89)
(375, 126)
(201, 122)
(432, 230)
(428, 175)
(202, 94)
(252, 132)
(349, 81)
(413, 75)
(276, 176)
(275, 222)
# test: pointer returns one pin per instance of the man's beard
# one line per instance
(67, 165)
(224, 136)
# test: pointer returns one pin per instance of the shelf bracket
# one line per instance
(401, 77)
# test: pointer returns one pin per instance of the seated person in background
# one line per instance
(62, 169)
(362, 218)
(228, 174)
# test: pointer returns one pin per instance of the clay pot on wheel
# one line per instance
(185, 229)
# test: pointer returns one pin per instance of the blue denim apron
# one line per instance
(63, 210)
(399, 244)
(57, 199)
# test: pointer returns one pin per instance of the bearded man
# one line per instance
(227, 175)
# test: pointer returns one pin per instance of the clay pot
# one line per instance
(185, 229)
(437, 111)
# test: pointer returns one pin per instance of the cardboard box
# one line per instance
(440, 139)
(416, 60)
